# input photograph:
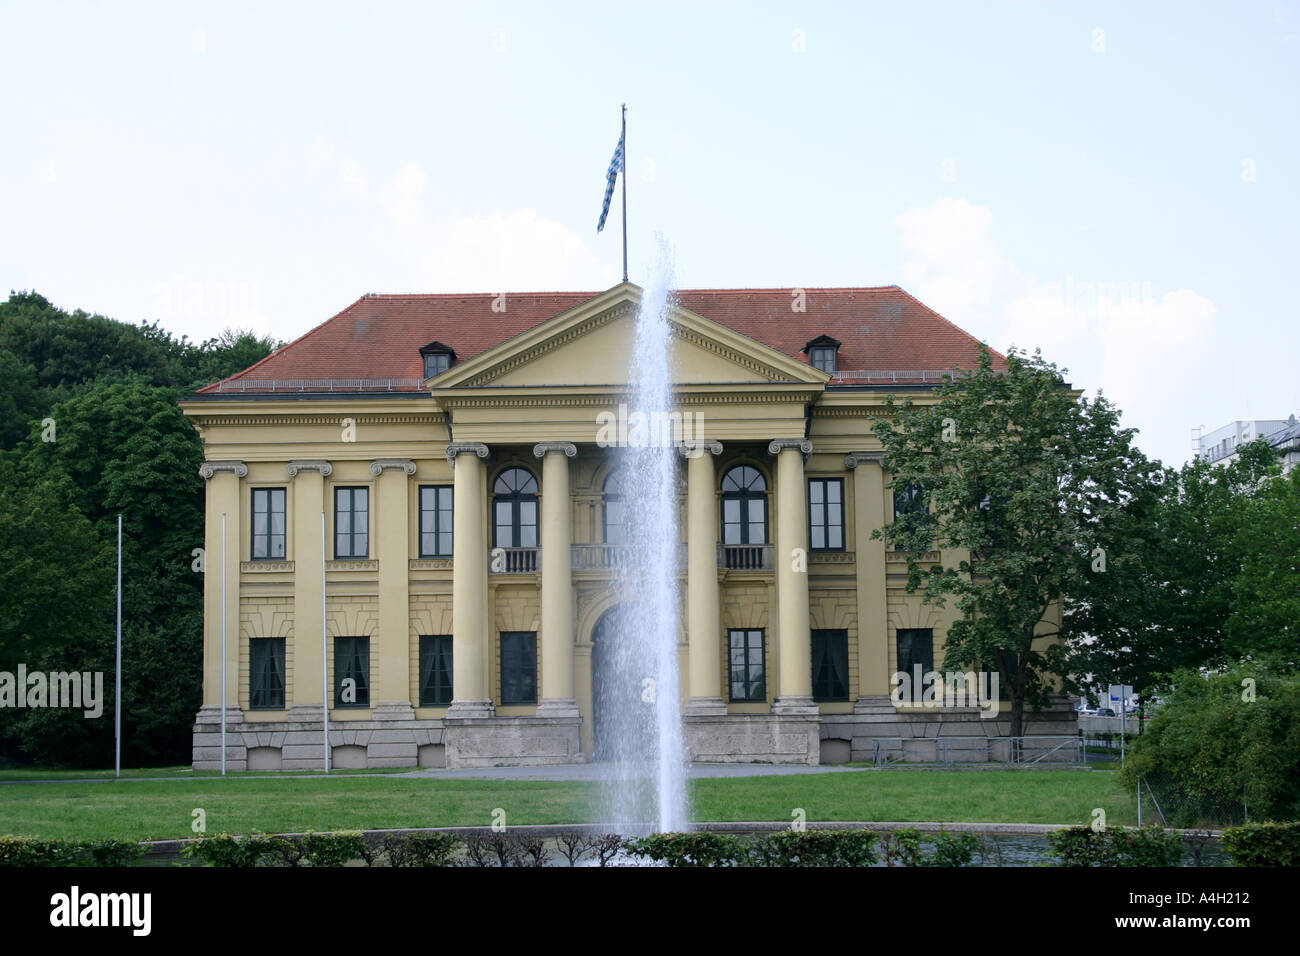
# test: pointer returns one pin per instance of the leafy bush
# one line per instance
(815, 848)
(953, 849)
(1116, 846)
(114, 853)
(420, 849)
(902, 847)
(334, 849)
(1263, 844)
(1208, 748)
(32, 851)
(257, 849)
(699, 848)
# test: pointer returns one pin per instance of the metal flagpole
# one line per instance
(223, 643)
(624, 192)
(324, 650)
(117, 702)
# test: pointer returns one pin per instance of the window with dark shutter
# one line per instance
(830, 664)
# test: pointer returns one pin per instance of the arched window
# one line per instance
(744, 506)
(514, 509)
(615, 509)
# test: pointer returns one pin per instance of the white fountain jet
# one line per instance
(646, 782)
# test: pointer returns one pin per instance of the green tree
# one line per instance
(1264, 614)
(1026, 478)
(1177, 571)
(1223, 738)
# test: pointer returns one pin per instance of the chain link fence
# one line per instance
(1173, 803)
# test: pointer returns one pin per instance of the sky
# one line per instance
(1114, 183)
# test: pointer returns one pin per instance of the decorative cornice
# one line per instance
(694, 447)
(778, 445)
(849, 411)
(380, 465)
(569, 449)
(352, 565)
(546, 398)
(855, 458)
(465, 448)
(265, 566)
(324, 467)
(429, 564)
(210, 468)
(830, 557)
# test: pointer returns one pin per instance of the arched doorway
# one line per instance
(616, 687)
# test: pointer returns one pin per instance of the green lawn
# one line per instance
(181, 772)
(135, 809)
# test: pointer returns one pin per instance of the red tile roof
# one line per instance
(377, 339)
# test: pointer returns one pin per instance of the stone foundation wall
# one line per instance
(753, 738)
(395, 738)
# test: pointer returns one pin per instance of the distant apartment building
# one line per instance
(1220, 446)
(1286, 442)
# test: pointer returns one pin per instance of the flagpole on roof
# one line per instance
(624, 140)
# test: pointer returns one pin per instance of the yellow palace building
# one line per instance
(416, 519)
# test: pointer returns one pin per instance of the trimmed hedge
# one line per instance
(1116, 846)
(1263, 844)
(33, 851)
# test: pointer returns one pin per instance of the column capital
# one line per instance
(465, 448)
(324, 467)
(381, 465)
(210, 468)
(776, 446)
(695, 447)
(855, 458)
(567, 448)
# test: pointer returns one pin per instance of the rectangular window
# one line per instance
(518, 667)
(351, 522)
(823, 358)
(915, 649)
(826, 514)
(747, 678)
(435, 521)
(351, 672)
(268, 524)
(435, 670)
(830, 665)
(266, 673)
(910, 507)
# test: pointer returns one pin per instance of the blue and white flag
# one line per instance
(615, 167)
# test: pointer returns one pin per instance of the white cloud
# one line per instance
(502, 251)
(1116, 336)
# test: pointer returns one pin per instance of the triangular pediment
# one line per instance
(592, 345)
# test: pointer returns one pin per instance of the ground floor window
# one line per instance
(435, 670)
(915, 648)
(748, 679)
(518, 667)
(351, 672)
(830, 665)
(266, 673)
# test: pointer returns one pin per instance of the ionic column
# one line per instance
(469, 626)
(308, 568)
(557, 698)
(703, 617)
(873, 623)
(223, 488)
(392, 698)
(794, 637)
